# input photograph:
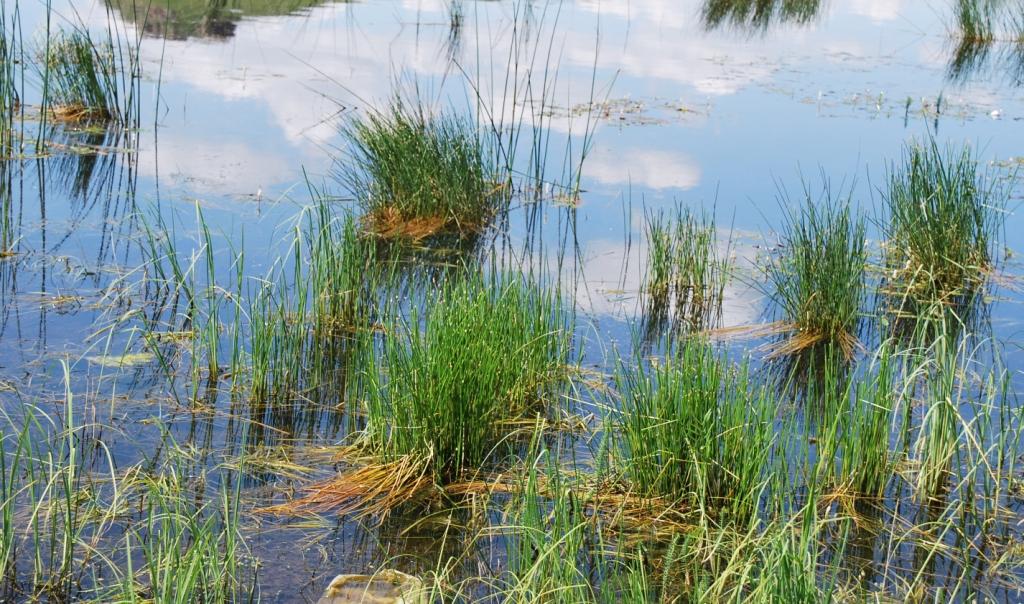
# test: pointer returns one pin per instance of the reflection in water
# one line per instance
(758, 15)
(214, 19)
(990, 42)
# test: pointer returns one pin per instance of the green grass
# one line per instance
(81, 78)
(416, 172)
(944, 221)
(686, 272)
(449, 387)
(818, 283)
(975, 20)
(11, 76)
(694, 429)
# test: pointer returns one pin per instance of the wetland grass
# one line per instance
(757, 15)
(11, 76)
(485, 357)
(73, 527)
(88, 79)
(686, 272)
(944, 221)
(416, 172)
(818, 284)
(694, 429)
(447, 392)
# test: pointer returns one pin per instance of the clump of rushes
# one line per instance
(856, 427)
(685, 271)
(447, 392)
(819, 283)
(695, 430)
(81, 78)
(943, 220)
(416, 173)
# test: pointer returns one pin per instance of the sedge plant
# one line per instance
(944, 218)
(417, 172)
(694, 428)
(818, 284)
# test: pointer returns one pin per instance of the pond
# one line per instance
(654, 301)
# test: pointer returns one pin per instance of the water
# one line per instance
(242, 103)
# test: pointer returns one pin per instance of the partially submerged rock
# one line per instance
(384, 587)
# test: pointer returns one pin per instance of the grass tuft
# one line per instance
(694, 429)
(450, 391)
(417, 173)
(944, 220)
(819, 283)
(82, 78)
(686, 273)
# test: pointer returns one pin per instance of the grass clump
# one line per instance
(452, 390)
(943, 222)
(758, 15)
(694, 429)
(84, 79)
(447, 392)
(417, 173)
(819, 283)
(686, 273)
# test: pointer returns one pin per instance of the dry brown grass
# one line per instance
(390, 223)
(370, 490)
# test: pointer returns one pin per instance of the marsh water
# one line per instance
(654, 102)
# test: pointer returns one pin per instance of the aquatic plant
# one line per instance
(89, 79)
(449, 392)
(944, 219)
(62, 502)
(686, 272)
(416, 172)
(989, 38)
(694, 429)
(818, 283)
(11, 75)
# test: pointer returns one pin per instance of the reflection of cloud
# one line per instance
(877, 10)
(651, 168)
(278, 82)
(230, 168)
